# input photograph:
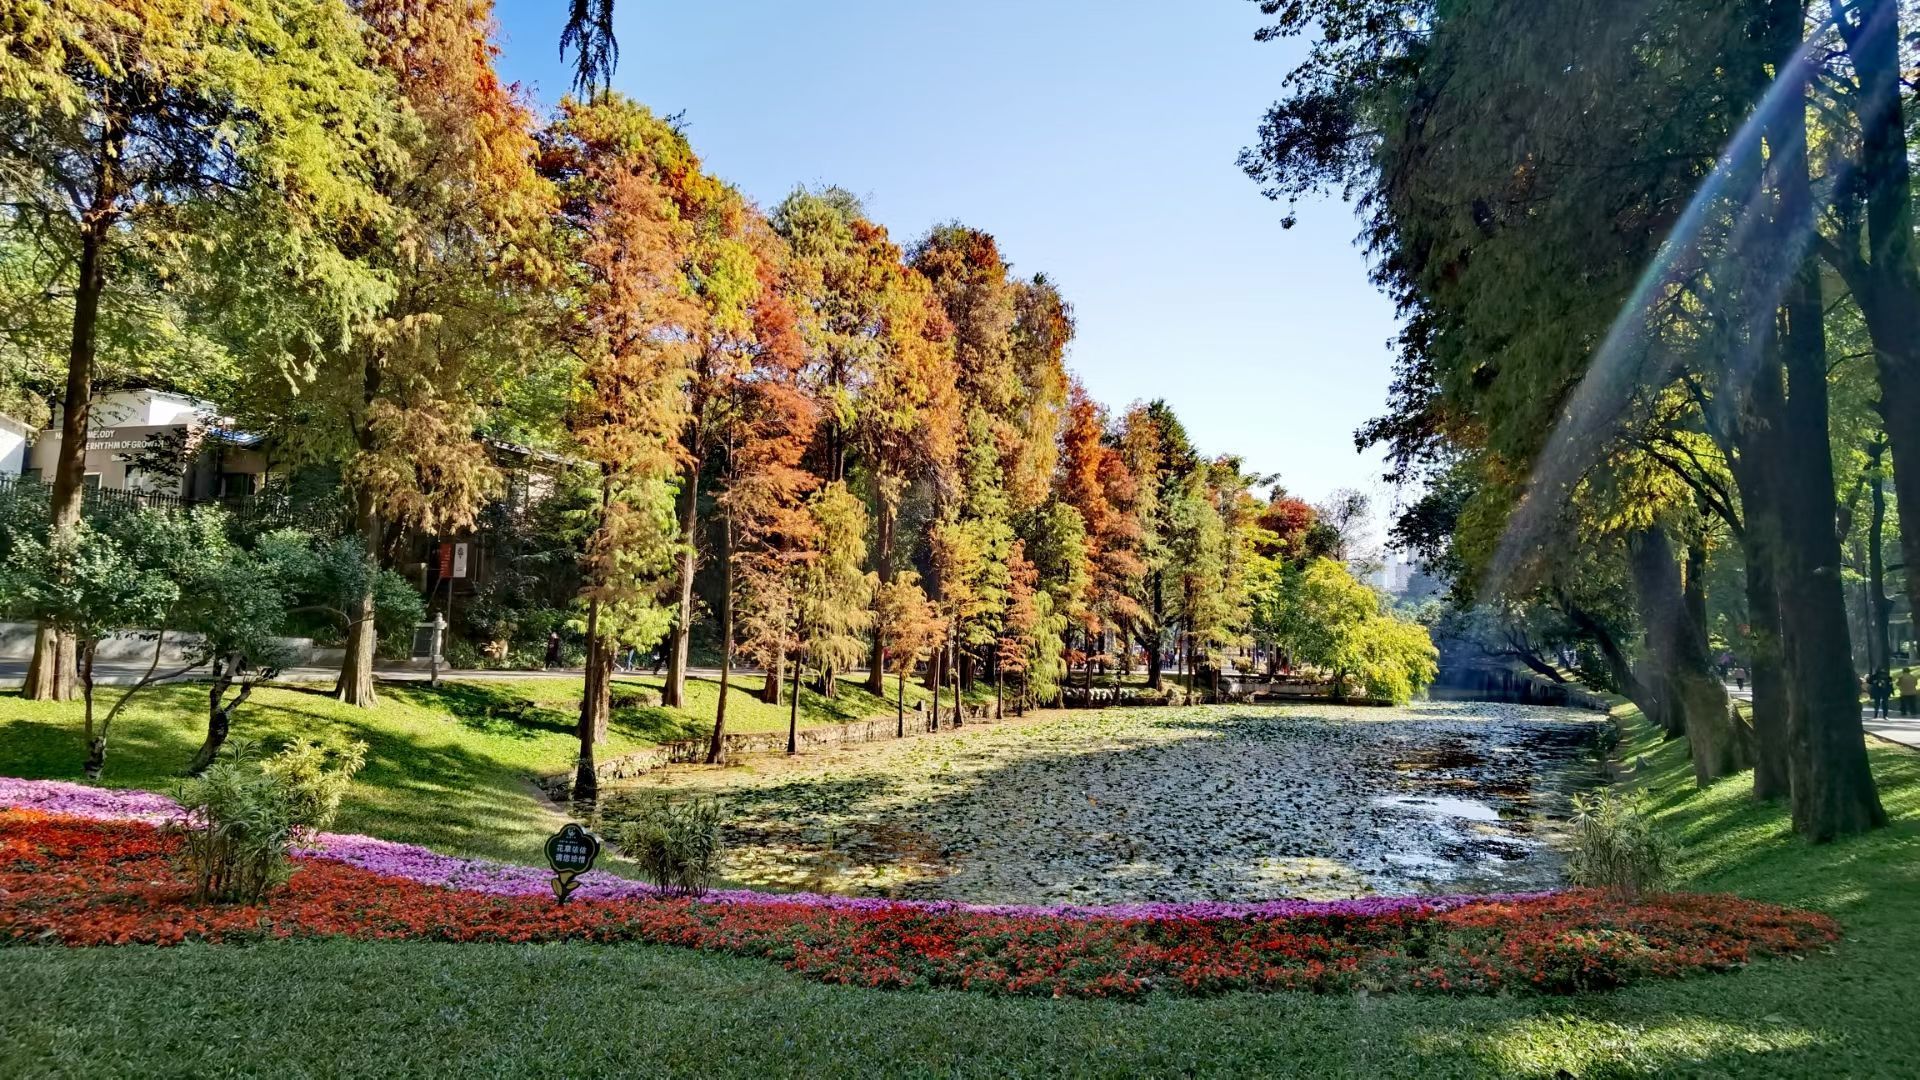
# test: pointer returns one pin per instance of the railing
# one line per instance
(277, 505)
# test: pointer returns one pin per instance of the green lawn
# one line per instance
(403, 1009)
(452, 768)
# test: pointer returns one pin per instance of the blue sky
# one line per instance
(1095, 138)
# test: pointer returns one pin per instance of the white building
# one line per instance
(159, 442)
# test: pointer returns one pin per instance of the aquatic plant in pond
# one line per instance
(1119, 806)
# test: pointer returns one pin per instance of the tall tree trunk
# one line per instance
(1752, 457)
(716, 749)
(355, 686)
(1833, 788)
(793, 713)
(1692, 698)
(1884, 278)
(1879, 605)
(674, 693)
(1155, 676)
(1771, 778)
(51, 676)
(1719, 744)
(883, 566)
(596, 703)
(900, 705)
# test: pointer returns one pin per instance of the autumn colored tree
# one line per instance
(912, 630)
(635, 327)
(464, 248)
(880, 362)
(1158, 454)
(835, 595)
(727, 240)
(764, 426)
(134, 126)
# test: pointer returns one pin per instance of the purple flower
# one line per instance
(80, 800)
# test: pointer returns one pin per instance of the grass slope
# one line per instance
(340, 1008)
(451, 768)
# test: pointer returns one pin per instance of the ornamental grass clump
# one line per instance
(677, 844)
(1616, 847)
(246, 811)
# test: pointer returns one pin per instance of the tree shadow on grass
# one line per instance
(492, 709)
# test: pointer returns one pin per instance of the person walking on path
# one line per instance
(1909, 693)
(553, 649)
(1880, 688)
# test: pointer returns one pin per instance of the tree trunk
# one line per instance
(1155, 675)
(883, 566)
(1833, 788)
(674, 693)
(96, 739)
(51, 677)
(1879, 605)
(1692, 698)
(1764, 667)
(1752, 458)
(953, 669)
(1885, 280)
(900, 705)
(355, 686)
(793, 714)
(770, 688)
(219, 714)
(716, 749)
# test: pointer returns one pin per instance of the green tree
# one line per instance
(139, 130)
(86, 583)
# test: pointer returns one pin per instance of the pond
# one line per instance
(1205, 803)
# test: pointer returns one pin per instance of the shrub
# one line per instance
(677, 844)
(245, 811)
(1616, 846)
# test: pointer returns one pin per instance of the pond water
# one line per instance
(1206, 803)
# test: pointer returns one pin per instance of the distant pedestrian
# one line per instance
(553, 649)
(1909, 693)
(1740, 678)
(630, 660)
(1880, 688)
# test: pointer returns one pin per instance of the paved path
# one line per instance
(1904, 730)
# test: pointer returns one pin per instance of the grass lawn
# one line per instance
(452, 768)
(333, 1007)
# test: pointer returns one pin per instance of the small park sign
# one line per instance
(570, 852)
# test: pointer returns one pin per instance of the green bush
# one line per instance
(1616, 846)
(246, 811)
(677, 844)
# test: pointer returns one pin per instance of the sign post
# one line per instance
(570, 852)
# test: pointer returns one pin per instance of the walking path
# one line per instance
(1904, 730)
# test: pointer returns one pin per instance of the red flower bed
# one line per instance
(84, 882)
